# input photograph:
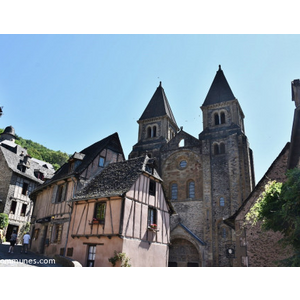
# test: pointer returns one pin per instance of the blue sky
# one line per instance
(69, 91)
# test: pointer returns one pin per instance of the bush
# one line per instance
(3, 220)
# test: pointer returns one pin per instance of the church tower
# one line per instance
(206, 178)
(228, 163)
(157, 126)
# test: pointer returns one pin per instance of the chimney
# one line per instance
(296, 91)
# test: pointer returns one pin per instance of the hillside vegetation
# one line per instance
(35, 150)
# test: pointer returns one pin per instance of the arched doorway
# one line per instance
(183, 254)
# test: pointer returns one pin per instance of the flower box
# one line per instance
(153, 227)
(96, 222)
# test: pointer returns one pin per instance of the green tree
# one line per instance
(3, 220)
(278, 209)
(38, 151)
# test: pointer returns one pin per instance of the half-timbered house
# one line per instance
(52, 211)
(122, 210)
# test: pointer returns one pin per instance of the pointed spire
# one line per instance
(219, 91)
(158, 106)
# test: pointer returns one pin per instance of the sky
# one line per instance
(68, 91)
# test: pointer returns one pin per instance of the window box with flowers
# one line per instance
(99, 214)
(153, 227)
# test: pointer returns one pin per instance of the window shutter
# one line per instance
(64, 192)
(54, 194)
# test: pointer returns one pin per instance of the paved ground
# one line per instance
(18, 259)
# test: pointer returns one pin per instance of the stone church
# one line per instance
(206, 178)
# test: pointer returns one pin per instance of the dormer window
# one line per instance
(39, 175)
(101, 161)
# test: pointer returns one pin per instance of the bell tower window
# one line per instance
(217, 122)
(219, 118)
(216, 149)
(222, 118)
(151, 131)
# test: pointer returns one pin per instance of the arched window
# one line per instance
(149, 132)
(222, 201)
(182, 164)
(223, 232)
(223, 118)
(217, 121)
(216, 149)
(154, 131)
(222, 148)
(191, 189)
(174, 191)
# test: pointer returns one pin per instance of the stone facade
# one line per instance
(19, 176)
(206, 178)
(254, 247)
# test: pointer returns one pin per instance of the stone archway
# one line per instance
(183, 253)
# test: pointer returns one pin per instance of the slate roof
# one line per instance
(219, 91)
(116, 179)
(12, 154)
(158, 106)
(87, 155)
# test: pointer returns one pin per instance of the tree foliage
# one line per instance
(278, 209)
(3, 220)
(35, 150)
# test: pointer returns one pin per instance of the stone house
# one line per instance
(254, 247)
(52, 210)
(20, 174)
(206, 178)
(122, 210)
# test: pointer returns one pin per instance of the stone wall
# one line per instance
(254, 247)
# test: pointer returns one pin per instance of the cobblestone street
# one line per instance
(18, 259)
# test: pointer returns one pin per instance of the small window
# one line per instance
(60, 193)
(216, 149)
(191, 190)
(222, 118)
(223, 232)
(25, 188)
(174, 191)
(152, 187)
(101, 161)
(39, 175)
(149, 132)
(222, 201)
(70, 251)
(13, 207)
(91, 256)
(154, 131)
(23, 210)
(152, 216)
(222, 148)
(57, 232)
(99, 214)
(183, 164)
(217, 122)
